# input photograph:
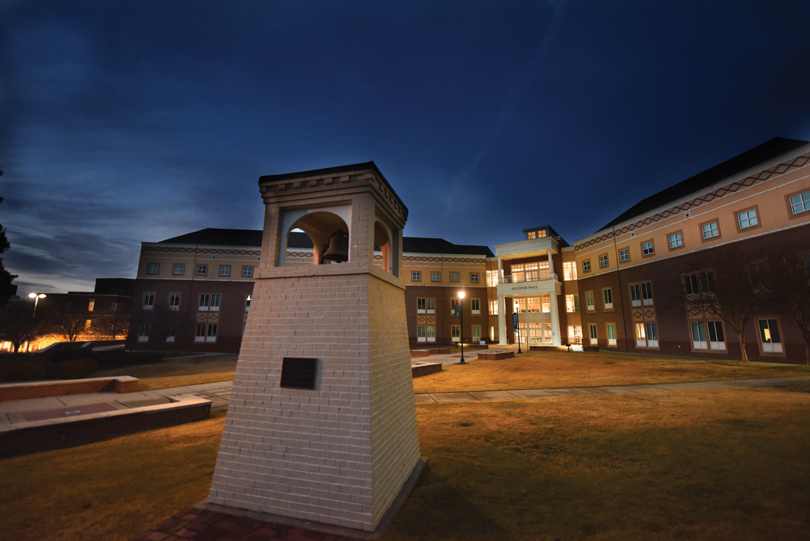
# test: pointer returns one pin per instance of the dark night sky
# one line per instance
(123, 122)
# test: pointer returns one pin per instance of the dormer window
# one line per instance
(536, 234)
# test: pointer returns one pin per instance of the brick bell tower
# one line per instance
(321, 424)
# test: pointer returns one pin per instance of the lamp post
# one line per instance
(517, 321)
(36, 297)
(461, 334)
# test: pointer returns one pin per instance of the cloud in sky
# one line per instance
(123, 122)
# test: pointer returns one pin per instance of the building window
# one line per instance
(800, 203)
(202, 270)
(200, 334)
(493, 307)
(431, 333)
(641, 294)
(224, 270)
(247, 303)
(698, 335)
(716, 339)
(647, 248)
(143, 332)
(153, 268)
(421, 333)
(572, 304)
(435, 277)
(476, 333)
(607, 295)
(179, 268)
(769, 337)
(570, 271)
(603, 260)
(455, 333)
(747, 218)
(113, 306)
(148, 300)
(169, 332)
(416, 276)
(492, 278)
(247, 271)
(699, 284)
(454, 277)
(586, 265)
(594, 339)
(474, 277)
(431, 306)
(476, 306)
(589, 300)
(675, 241)
(453, 304)
(209, 302)
(211, 336)
(174, 301)
(710, 230)
(91, 305)
(624, 255)
(646, 335)
(611, 334)
(531, 235)
(420, 306)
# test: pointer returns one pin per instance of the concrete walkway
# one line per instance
(472, 396)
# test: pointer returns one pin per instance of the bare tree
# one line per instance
(113, 325)
(18, 324)
(730, 292)
(787, 280)
(69, 325)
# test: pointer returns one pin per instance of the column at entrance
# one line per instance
(501, 319)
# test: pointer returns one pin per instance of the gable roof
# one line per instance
(748, 159)
(423, 245)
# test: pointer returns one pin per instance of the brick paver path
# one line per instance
(203, 525)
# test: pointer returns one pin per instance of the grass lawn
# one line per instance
(541, 369)
(177, 372)
(716, 464)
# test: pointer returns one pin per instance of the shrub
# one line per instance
(26, 370)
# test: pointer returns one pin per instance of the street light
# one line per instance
(461, 337)
(517, 323)
(36, 297)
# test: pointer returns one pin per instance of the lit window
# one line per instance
(247, 271)
(800, 203)
(202, 270)
(435, 277)
(224, 270)
(476, 306)
(646, 335)
(91, 305)
(153, 268)
(589, 300)
(747, 218)
(178, 268)
(603, 261)
(416, 276)
(710, 230)
(572, 304)
(474, 277)
(586, 265)
(174, 301)
(611, 334)
(493, 307)
(624, 255)
(647, 248)
(454, 277)
(675, 240)
(492, 278)
(570, 271)
(607, 295)
(148, 300)
(769, 336)
(594, 339)
(531, 235)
